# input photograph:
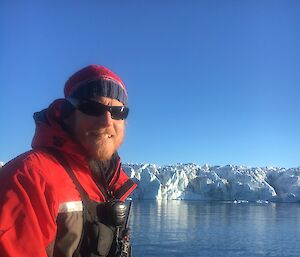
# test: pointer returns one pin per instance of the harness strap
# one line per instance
(83, 194)
(70, 172)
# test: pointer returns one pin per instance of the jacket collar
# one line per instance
(50, 133)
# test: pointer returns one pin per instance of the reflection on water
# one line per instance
(192, 228)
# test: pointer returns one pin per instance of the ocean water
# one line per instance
(213, 229)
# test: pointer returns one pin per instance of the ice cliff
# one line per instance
(227, 183)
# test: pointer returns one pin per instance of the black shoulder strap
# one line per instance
(88, 207)
(70, 172)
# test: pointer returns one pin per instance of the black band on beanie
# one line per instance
(100, 87)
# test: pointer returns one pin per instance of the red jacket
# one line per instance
(35, 188)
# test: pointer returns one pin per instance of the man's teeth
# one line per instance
(97, 134)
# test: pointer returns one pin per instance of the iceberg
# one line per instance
(234, 183)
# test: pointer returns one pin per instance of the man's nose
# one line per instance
(105, 120)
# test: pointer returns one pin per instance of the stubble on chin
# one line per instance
(102, 151)
(102, 155)
(105, 148)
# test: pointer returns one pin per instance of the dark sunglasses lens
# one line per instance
(92, 108)
(98, 109)
(119, 113)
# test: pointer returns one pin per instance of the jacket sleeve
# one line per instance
(122, 184)
(27, 212)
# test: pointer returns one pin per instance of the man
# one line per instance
(64, 197)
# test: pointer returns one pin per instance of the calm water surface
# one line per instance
(192, 228)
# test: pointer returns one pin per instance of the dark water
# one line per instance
(191, 228)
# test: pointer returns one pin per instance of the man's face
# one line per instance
(100, 136)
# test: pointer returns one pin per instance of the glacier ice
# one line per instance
(225, 183)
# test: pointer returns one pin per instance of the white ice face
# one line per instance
(238, 184)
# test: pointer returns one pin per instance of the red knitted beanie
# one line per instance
(95, 80)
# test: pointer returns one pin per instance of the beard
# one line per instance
(103, 171)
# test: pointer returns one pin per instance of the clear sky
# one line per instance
(214, 82)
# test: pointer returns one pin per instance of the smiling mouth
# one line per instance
(98, 134)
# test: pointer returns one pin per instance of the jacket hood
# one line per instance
(50, 133)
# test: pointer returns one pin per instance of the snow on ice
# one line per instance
(227, 183)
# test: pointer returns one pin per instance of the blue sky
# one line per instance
(214, 82)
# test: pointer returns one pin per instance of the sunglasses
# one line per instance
(93, 108)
